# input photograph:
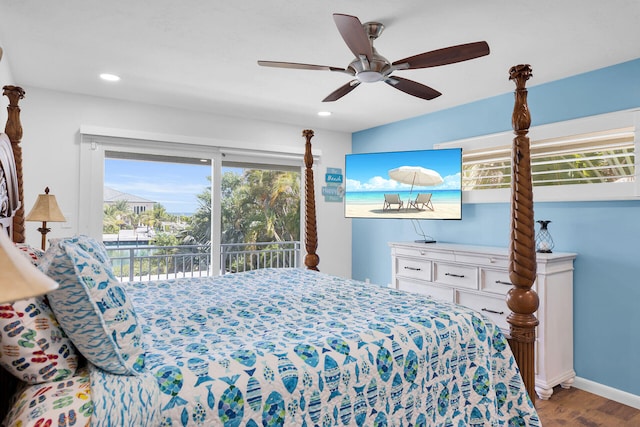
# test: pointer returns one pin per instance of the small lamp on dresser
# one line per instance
(46, 210)
(19, 279)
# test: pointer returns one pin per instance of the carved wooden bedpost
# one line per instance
(13, 129)
(521, 299)
(311, 260)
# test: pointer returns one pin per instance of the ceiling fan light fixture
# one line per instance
(109, 77)
(369, 76)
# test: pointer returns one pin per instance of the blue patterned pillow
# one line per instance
(88, 244)
(93, 308)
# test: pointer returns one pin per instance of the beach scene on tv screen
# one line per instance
(423, 184)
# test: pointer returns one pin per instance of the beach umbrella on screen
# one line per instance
(416, 175)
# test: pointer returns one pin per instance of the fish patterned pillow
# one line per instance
(33, 346)
(89, 244)
(93, 308)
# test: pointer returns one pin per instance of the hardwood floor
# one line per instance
(575, 407)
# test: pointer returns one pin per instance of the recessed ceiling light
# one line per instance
(109, 77)
(324, 113)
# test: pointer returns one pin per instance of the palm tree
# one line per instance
(257, 206)
(116, 216)
(154, 217)
(199, 229)
(273, 198)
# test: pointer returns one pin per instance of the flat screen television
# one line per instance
(420, 184)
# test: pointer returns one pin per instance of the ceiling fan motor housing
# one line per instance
(378, 67)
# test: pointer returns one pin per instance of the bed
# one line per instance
(266, 347)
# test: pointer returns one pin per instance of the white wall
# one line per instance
(51, 153)
(5, 79)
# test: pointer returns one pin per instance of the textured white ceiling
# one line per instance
(201, 55)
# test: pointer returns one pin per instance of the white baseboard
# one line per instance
(610, 393)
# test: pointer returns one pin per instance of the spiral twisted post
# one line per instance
(13, 129)
(311, 260)
(521, 299)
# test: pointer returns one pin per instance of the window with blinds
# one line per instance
(589, 158)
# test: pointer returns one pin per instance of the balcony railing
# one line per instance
(147, 262)
(252, 256)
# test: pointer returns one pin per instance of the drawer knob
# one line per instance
(492, 311)
(454, 275)
(412, 268)
(504, 283)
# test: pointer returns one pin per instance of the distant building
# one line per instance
(137, 204)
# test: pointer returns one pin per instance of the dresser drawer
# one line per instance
(432, 291)
(495, 281)
(498, 281)
(423, 252)
(415, 268)
(460, 276)
(489, 260)
(495, 308)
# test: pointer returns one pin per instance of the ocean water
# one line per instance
(372, 197)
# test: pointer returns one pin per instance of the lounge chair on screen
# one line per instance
(390, 200)
(422, 201)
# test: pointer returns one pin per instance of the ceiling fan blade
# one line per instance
(341, 91)
(295, 65)
(412, 88)
(354, 35)
(447, 55)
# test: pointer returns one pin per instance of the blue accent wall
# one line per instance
(605, 235)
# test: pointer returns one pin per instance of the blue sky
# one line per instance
(369, 171)
(173, 185)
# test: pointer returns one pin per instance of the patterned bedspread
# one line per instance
(299, 348)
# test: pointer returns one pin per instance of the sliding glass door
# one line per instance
(260, 216)
(157, 215)
(171, 216)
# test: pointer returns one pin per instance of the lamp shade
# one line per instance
(19, 279)
(46, 209)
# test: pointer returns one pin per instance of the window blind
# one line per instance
(596, 157)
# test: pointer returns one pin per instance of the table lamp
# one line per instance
(46, 210)
(19, 278)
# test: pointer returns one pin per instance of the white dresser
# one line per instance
(478, 277)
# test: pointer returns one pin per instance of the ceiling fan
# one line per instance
(369, 66)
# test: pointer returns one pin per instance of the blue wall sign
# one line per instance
(333, 191)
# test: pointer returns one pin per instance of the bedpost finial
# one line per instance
(307, 133)
(14, 93)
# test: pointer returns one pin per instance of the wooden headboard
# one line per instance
(13, 129)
